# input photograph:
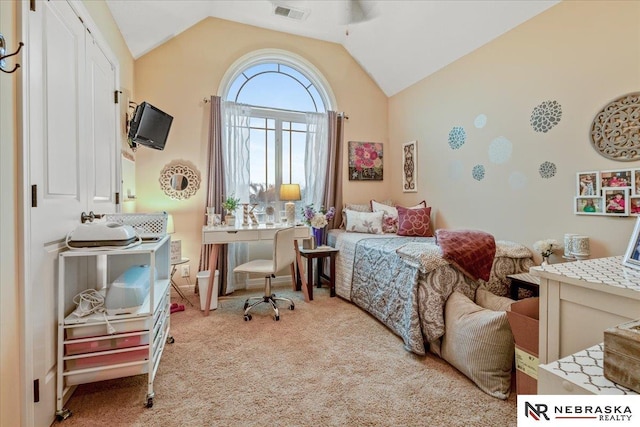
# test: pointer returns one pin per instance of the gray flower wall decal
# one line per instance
(478, 172)
(457, 137)
(547, 169)
(545, 116)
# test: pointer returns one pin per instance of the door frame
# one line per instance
(26, 324)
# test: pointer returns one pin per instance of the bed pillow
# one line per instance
(363, 222)
(414, 222)
(390, 219)
(353, 207)
(491, 301)
(479, 343)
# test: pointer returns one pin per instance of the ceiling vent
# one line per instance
(289, 12)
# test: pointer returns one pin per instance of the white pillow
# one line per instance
(479, 343)
(363, 222)
(488, 299)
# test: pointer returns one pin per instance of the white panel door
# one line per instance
(56, 151)
(102, 131)
(69, 132)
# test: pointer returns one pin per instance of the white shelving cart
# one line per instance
(87, 351)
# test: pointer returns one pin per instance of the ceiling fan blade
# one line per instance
(356, 11)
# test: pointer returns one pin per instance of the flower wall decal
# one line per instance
(545, 116)
(500, 150)
(457, 137)
(478, 172)
(547, 170)
(480, 121)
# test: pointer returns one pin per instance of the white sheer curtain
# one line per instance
(316, 158)
(235, 153)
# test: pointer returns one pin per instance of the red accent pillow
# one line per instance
(414, 222)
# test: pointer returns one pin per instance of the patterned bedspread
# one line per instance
(404, 282)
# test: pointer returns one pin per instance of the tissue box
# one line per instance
(622, 354)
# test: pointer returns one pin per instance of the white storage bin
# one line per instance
(203, 287)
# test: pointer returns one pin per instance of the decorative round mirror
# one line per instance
(180, 179)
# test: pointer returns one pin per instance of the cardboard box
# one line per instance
(524, 320)
(622, 355)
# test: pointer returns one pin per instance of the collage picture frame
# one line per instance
(609, 192)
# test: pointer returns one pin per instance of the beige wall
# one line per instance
(179, 74)
(582, 54)
(9, 285)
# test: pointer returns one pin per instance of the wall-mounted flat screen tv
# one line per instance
(149, 126)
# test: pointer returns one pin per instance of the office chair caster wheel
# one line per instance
(292, 307)
(170, 340)
(149, 403)
(276, 317)
(247, 317)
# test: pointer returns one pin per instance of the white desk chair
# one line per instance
(283, 255)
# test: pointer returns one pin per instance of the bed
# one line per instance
(405, 282)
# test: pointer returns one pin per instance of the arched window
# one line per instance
(281, 88)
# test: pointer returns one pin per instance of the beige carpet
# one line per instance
(327, 363)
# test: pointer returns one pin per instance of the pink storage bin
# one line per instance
(107, 359)
(105, 344)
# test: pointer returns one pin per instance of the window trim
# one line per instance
(284, 57)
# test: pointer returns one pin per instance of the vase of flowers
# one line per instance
(230, 204)
(545, 248)
(318, 221)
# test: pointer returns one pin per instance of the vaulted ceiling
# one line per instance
(397, 42)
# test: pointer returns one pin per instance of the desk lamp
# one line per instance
(289, 193)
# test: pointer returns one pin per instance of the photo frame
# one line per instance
(410, 167)
(588, 205)
(636, 182)
(616, 178)
(634, 205)
(632, 255)
(365, 161)
(588, 183)
(616, 201)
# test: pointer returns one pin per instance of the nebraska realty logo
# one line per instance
(542, 411)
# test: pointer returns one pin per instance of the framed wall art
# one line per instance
(616, 178)
(409, 167)
(608, 193)
(616, 201)
(588, 183)
(588, 206)
(365, 161)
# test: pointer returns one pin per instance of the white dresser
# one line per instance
(579, 300)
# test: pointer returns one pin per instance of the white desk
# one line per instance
(579, 373)
(579, 300)
(222, 235)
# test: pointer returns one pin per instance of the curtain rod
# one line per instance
(342, 114)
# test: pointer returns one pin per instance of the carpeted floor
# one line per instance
(327, 363)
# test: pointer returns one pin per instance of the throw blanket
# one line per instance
(471, 251)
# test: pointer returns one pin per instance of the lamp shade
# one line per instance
(170, 227)
(289, 192)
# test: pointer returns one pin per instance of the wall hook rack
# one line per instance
(3, 56)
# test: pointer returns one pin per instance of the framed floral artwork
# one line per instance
(365, 161)
(409, 167)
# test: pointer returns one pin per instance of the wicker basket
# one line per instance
(150, 226)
